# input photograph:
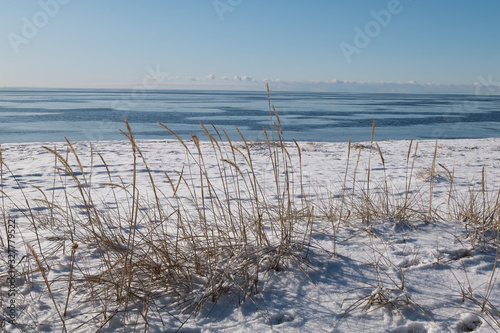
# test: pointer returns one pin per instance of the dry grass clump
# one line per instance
(216, 238)
(479, 210)
(379, 200)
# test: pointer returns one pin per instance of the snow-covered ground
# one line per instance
(371, 265)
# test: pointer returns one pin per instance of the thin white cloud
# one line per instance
(488, 87)
(244, 78)
(247, 78)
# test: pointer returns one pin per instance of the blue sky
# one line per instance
(421, 45)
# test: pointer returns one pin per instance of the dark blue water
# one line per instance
(89, 115)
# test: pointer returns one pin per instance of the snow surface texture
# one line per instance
(416, 275)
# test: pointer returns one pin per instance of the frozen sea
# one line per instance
(35, 115)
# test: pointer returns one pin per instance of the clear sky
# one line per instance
(334, 45)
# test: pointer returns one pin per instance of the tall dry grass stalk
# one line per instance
(431, 192)
(368, 217)
(47, 284)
